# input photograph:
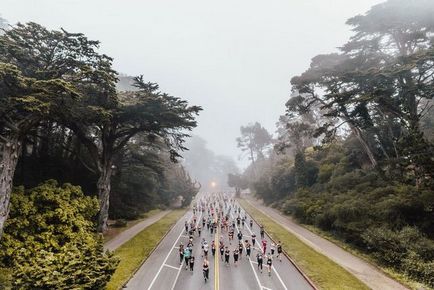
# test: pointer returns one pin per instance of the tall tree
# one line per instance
(110, 124)
(384, 75)
(49, 65)
(254, 139)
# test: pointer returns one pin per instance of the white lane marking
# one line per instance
(173, 267)
(265, 288)
(256, 275)
(167, 257)
(274, 269)
(180, 267)
(250, 260)
(176, 278)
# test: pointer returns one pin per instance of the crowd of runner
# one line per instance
(220, 212)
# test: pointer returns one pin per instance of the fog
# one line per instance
(234, 58)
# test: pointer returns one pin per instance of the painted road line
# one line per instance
(177, 276)
(180, 267)
(216, 260)
(274, 269)
(256, 275)
(170, 266)
(167, 257)
(251, 265)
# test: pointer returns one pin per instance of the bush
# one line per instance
(50, 241)
(406, 250)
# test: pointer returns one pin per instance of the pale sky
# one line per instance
(233, 57)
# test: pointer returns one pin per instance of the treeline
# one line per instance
(63, 120)
(354, 154)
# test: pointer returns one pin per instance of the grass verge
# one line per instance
(324, 273)
(114, 231)
(403, 279)
(138, 249)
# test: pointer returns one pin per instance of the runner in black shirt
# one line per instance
(236, 255)
(279, 251)
(191, 264)
(269, 263)
(259, 259)
(247, 248)
(227, 255)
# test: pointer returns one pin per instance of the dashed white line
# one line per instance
(165, 260)
(274, 269)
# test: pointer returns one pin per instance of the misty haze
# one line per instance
(217, 145)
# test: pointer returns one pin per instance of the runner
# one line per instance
(259, 259)
(213, 248)
(253, 239)
(269, 262)
(279, 251)
(251, 223)
(264, 246)
(186, 226)
(247, 248)
(205, 267)
(191, 264)
(272, 248)
(227, 255)
(181, 253)
(236, 255)
(205, 249)
(222, 250)
(240, 248)
(240, 236)
(262, 232)
(199, 230)
(186, 257)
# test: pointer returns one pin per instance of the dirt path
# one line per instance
(126, 235)
(367, 273)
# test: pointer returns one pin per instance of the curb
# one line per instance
(151, 252)
(309, 281)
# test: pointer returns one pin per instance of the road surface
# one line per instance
(162, 270)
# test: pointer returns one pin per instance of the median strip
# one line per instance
(325, 273)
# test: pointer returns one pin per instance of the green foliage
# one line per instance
(406, 249)
(49, 240)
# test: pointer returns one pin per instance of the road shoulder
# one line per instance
(361, 269)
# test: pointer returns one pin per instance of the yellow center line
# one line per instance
(216, 259)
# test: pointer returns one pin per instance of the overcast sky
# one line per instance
(233, 57)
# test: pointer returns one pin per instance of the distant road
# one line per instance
(163, 271)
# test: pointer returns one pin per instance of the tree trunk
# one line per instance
(103, 186)
(365, 145)
(9, 158)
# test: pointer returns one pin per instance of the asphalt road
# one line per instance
(162, 270)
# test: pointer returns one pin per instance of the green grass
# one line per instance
(138, 249)
(114, 231)
(324, 273)
(403, 279)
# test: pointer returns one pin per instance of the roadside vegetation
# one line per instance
(77, 149)
(134, 252)
(353, 155)
(324, 273)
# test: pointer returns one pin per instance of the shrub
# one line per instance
(50, 241)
